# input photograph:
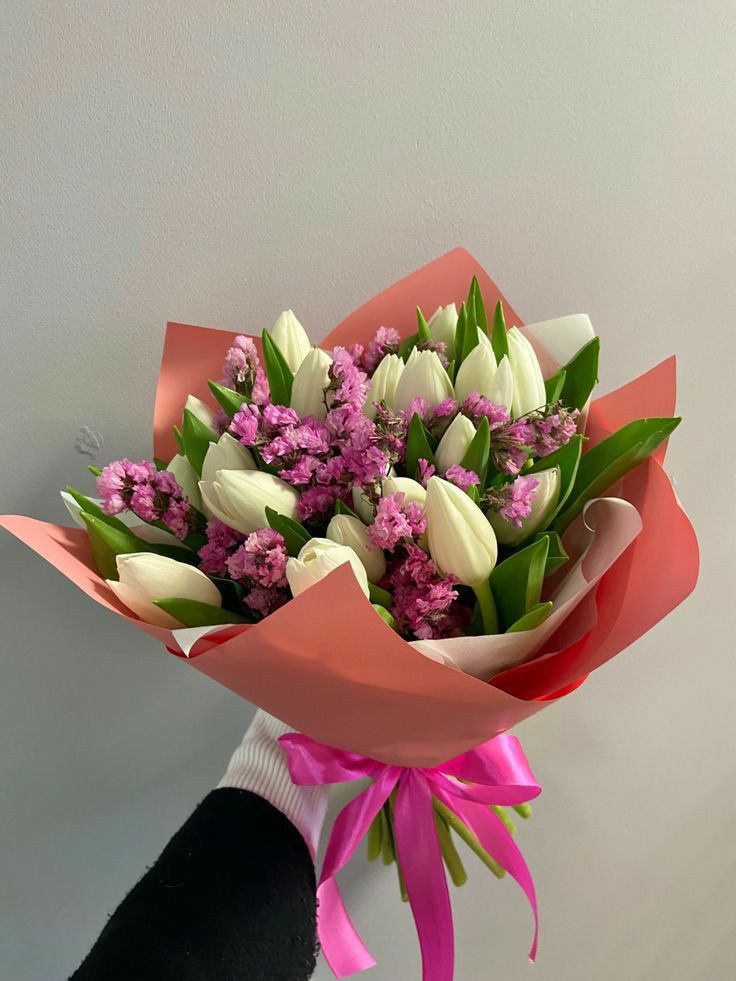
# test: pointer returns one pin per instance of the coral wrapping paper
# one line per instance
(329, 667)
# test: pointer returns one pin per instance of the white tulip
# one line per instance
(226, 454)
(412, 490)
(423, 377)
(454, 444)
(203, 412)
(317, 559)
(461, 541)
(239, 498)
(310, 382)
(476, 372)
(362, 506)
(544, 503)
(501, 389)
(347, 530)
(529, 392)
(186, 477)
(562, 337)
(383, 383)
(145, 577)
(291, 339)
(442, 326)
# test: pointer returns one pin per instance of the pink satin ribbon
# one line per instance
(497, 772)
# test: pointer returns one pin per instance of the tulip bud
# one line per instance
(454, 444)
(361, 505)
(203, 412)
(461, 541)
(347, 530)
(310, 382)
(186, 477)
(226, 454)
(291, 339)
(478, 373)
(529, 391)
(442, 326)
(423, 377)
(317, 559)
(145, 577)
(383, 383)
(239, 498)
(562, 337)
(412, 490)
(546, 496)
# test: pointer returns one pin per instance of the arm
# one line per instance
(233, 893)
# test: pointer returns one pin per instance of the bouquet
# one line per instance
(401, 543)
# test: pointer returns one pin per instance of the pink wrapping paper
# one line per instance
(327, 665)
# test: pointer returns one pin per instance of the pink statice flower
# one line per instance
(553, 427)
(426, 471)
(246, 424)
(264, 601)
(222, 542)
(348, 384)
(436, 418)
(242, 370)
(511, 445)
(462, 478)
(261, 559)
(512, 500)
(396, 523)
(423, 601)
(477, 407)
(151, 494)
(386, 341)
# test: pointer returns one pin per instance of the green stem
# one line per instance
(502, 815)
(523, 810)
(462, 831)
(487, 606)
(387, 843)
(402, 885)
(375, 839)
(449, 853)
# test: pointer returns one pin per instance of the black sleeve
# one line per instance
(232, 896)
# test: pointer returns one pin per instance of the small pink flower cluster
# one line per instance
(512, 500)
(243, 372)
(153, 495)
(256, 561)
(396, 523)
(424, 603)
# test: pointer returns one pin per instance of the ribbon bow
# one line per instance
(497, 772)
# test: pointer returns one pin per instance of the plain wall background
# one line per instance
(217, 162)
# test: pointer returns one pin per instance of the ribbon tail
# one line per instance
(343, 949)
(421, 864)
(494, 837)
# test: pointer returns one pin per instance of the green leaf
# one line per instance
(451, 371)
(378, 596)
(95, 471)
(179, 439)
(90, 507)
(228, 399)
(423, 331)
(460, 331)
(279, 374)
(196, 438)
(607, 462)
(476, 305)
(106, 542)
(567, 458)
(385, 616)
(538, 614)
(474, 494)
(476, 455)
(499, 340)
(553, 386)
(342, 508)
(295, 535)
(556, 556)
(192, 613)
(470, 338)
(517, 582)
(417, 446)
(581, 375)
(407, 346)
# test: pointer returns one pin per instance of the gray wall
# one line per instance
(216, 162)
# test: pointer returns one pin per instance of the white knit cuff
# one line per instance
(259, 765)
